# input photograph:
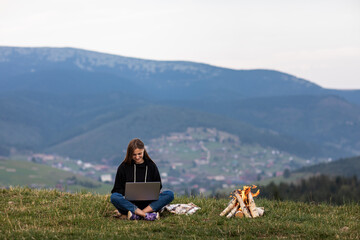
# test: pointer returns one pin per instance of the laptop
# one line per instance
(141, 191)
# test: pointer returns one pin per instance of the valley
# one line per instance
(197, 161)
(206, 127)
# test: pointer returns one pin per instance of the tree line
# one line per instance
(334, 190)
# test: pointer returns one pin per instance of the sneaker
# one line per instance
(133, 216)
(152, 216)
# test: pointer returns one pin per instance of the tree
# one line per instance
(287, 173)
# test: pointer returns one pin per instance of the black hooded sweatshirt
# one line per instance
(125, 173)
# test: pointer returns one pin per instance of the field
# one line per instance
(22, 173)
(50, 214)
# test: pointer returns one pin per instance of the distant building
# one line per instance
(87, 166)
(106, 178)
(101, 167)
(216, 178)
(44, 157)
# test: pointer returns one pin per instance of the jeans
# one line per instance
(124, 205)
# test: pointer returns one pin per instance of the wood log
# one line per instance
(252, 206)
(233, 211)
(239, 214)
(230, 206)
(242, 205)
(260, 211)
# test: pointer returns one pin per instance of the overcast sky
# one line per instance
(318, 40)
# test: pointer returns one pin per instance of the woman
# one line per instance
(138, 163)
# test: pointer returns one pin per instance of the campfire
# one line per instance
(243, 204)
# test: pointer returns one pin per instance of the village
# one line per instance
(204, 160)
(197, 161)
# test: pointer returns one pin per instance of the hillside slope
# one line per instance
(95, 126)
(346, 167)
(33, 120)
(21, 173)
(323, 120)
(153, 121)
(51, 97)
(33, 214)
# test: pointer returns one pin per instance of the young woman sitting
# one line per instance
(138, 166)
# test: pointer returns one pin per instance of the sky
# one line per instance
(318, 40)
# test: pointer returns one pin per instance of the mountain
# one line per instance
(68, 70)
(32, 120)
(95, 126)
(86, 104)
(347, 167)
(327, 120)
(154, 121)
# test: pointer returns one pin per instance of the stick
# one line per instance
(233, 211)
(260, 210)
(242, 205)
(239, 214)
(229, 207)
(252, 206)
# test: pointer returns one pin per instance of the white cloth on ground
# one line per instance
(182, 208)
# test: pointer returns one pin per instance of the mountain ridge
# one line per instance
(77, 91)
(161, 76)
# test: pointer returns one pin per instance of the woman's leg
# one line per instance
(122, 204)
(165, 198)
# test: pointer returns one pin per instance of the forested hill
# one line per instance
(84, 104)
(347, 167)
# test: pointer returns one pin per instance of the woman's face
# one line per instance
(138, 155)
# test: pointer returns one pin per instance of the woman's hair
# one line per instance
(134, 144)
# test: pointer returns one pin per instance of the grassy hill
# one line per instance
(343, 167)
(21, 173)
(44, 214)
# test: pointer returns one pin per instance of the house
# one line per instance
(106, 178)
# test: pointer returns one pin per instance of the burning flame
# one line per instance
(244, 193)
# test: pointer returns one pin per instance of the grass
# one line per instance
(27, 173)
(50, 214)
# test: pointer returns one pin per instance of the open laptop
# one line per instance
(141, 191)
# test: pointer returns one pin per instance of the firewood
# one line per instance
(260, 210)
(252, 206)
(233, 211)
(239, 214)
(242, 205)
(229, 207)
